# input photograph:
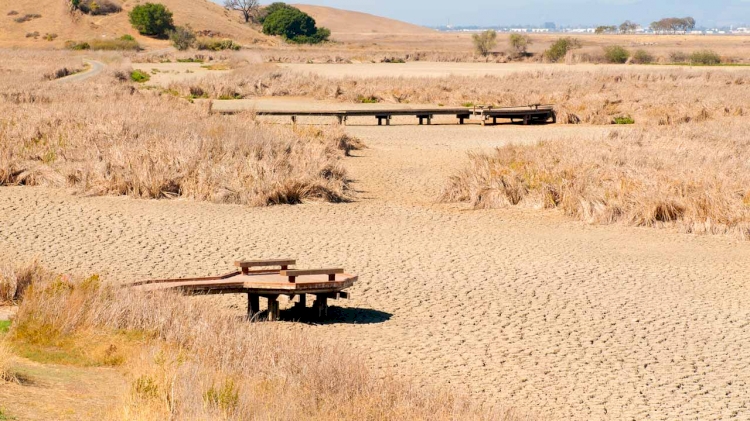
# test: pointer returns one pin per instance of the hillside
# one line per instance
(55, 19)
(348, 22)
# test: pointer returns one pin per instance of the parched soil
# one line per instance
(518, 307)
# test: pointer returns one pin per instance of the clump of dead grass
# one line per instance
(200, 363)
(15, 280)
(109, 138)
(694, 177)
(7, 364)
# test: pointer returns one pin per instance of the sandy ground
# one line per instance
(429, 69)
(165, 73)
(518, 307)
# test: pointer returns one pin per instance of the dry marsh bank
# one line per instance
(184, 360)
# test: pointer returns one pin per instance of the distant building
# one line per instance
(550, 25)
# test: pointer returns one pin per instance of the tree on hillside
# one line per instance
(248, 8)
(294, 25)
(520, 43)
(152, 19)
(485, 42)
(271, 9)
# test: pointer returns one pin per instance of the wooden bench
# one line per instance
(246, 265)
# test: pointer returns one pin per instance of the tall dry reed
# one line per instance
(695, 177)
(107, 137)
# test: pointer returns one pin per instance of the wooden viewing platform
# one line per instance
(531, 114)
(273, 279)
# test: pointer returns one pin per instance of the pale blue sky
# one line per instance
(563, 12)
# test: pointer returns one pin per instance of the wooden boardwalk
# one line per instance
(268, 283)
(531, 114)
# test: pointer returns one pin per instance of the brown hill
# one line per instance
(348, 22)
(201, 15)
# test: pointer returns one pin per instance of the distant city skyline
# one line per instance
(708, 13)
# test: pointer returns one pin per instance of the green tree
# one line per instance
(520, 43)
(182, 37)
(616, 54)
(271, 9)
(485, 42)
(152, 19)
(294, 25)
(559, 49)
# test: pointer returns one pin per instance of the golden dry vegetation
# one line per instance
(693, 176)
(184, 360)
(111, 138)
(54, 18)
(653, 96)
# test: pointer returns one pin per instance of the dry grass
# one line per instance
(694, 176)
(654, 96)
(108, 138)
(194, 362)
(14, 280)
(7, 364)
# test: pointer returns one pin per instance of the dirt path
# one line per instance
(519, 307)
(95, 68)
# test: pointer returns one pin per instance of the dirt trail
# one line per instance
(519, 307)
(95, 68)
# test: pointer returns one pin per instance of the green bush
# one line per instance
(623, 120)
(152, 19)
(182, 37)
(139, 76)
(705, 58)
(643, 57)
(96, 7)
(114, 45)
(367, 99)
(560, 48)
(293, 25)
(127, 37)
(271, 9)
(73, 45)
(216, 44)
(616, 54)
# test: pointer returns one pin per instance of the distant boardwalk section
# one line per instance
(530, 114)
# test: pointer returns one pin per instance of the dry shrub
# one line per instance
(7, 364)
(200, 363)
(694, 177)
(15, 280)
(111, 139)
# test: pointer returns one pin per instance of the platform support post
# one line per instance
(494, 120)
(273, 308)
(294, 119)
(525, 120)
(253, 305)
(321, 305)
(302, 303)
